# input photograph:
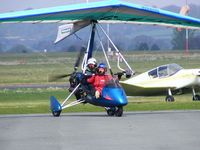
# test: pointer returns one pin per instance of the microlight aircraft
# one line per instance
(164, 79)
(79, 16)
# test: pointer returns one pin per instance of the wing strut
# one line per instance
(130, 69)
(104, 52)
(90, 47)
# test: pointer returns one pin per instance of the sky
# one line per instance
(17, 5)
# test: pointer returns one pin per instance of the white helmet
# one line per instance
(92, 61)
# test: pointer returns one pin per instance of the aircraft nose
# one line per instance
(117, 96)
(121, 97)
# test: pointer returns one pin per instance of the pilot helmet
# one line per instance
(92, 61)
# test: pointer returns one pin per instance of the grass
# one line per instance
(36, 68)
(24, 101)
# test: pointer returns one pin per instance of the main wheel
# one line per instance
(169, 98)
(111, 111)
(196, 98)
(119, 111)
(56, 113)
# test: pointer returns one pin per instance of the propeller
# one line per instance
(79, 58)
(54, 78)
(76, 65)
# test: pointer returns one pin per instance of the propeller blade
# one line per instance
(79, 58)
(76, 65)
(53, 78)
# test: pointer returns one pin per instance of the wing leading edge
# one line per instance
(135, 90)
(112, 11)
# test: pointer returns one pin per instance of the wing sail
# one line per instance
(112, 11)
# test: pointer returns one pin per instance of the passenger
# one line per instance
(99, 80)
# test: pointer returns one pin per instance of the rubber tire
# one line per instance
(169, 98)
(196, 98)
(119, 111)
(110, 112)
(56, 113)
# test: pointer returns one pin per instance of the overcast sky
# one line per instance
(16, 5)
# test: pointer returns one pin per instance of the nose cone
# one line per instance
(116, 96)
(54, 104)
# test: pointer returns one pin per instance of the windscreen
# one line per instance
(112, 83)
(164, 71)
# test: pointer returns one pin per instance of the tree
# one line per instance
(155, 47)
(2, 48)
(142, 46)
(195, 42)
(179, 39)
(20, 49)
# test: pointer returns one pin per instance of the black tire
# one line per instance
(119, 111)
(196, 98)
(111, 111)
(56, 113)
(169, 98)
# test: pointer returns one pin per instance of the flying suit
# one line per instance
(99, 81)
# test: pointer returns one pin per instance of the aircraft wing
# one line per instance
(135, 90)
(113, 11)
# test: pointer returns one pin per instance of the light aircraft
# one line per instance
(79, 16)
(164, 79)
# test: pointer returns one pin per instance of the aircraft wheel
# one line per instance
(119, 111)
(196, 98)
(169, 98)
(56, 113)
(111, 111)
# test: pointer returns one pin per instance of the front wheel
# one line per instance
(196, 98)
(56, 113)
(169, 98)
(119, 111)
(111, 111)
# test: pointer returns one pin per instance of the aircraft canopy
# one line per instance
(164, 71)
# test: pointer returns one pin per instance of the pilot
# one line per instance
(91, 67)
(100, 79)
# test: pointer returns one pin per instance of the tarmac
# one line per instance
(157, 130)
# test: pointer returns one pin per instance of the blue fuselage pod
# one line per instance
(112, 97)
(54, 104)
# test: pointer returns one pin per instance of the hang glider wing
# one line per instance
(112, 11)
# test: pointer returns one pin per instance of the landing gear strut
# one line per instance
(169, 97)
(195, 97)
